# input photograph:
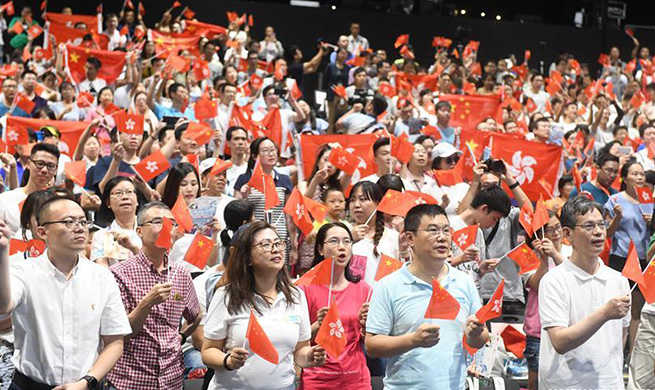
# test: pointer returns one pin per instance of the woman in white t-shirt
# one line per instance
(373, 238)
(257, 285)
(444, 158)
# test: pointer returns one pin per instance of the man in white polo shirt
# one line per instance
(584, 308)
(68, 317)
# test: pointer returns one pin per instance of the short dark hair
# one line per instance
(604, 158)
(380, 142)
(422, 138)
(442, 104)
(180, 129)
(174, 87)
(642, 128)
(390, 181)
(95, 62)
(232, 129)
(580, 205)
(495, 198)
(31, 205)
(379, 105)
(45, 206)
(414, 215)
(564, 180)
(43, 147)
(222, 87)
(141, 215)
(26, 72)
(358, 71)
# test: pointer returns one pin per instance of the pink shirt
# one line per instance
(350, 372)
(101, 132)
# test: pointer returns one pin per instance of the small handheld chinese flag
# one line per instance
(525, 257)
(448, 177)
(198, 132)
(388, 265)
(295, 208)
(402, 149)
(76, 172)
(331, 335)
(316, 209)
(340, 91)
(320, 274)
(540, 215)
(129, 123)
(165, 238)
(259, 341)
(205, 108)
(182, 216)
(494, 307)
(465, 237)
(514, 341)
(266, 185)
(24, 103)
(220, 166)
(152, 166)
(199, 251)
(401, 40)
(632, 269)
(442, 304)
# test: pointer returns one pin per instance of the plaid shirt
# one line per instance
(153, 358)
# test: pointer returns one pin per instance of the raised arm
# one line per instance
(6, 303)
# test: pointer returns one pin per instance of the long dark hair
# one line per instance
(240, 281)
(320, 242)
(332, 180)
(625, 169)
(372, 192)
(105, 215)
(175, 177)
(238, 212)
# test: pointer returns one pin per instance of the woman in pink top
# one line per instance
(551, 253)
(105, 107)
(349, 371)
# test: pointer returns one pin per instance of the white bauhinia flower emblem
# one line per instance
(152, 166)
(521, 167)
(129, 125)
(342, 161)
(420, 200)
(462, 240)
(300, 210)
(336, 329)
(497, 305)
(528, 219)
(13, 136)
(646, 196)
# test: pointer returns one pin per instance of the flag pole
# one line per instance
(331, 282)
(370, 217)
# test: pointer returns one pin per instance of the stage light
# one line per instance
(334, 7)
(482, 14)
(463, 12)
(498, 17)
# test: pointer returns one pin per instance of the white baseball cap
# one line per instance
(443, 150)
(206, 164)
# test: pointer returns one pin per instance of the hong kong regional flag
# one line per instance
(528, 162)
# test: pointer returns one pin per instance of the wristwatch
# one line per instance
(91, 381)
(184, 337)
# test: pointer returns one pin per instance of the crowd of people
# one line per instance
(172, 200)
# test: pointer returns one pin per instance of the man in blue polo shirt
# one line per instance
(600, 189)
(424, 353)
(179, 95)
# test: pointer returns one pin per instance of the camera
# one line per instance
(361, 96)
(281, 92)
(495, 166)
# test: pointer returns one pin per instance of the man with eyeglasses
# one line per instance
(42, 168)
(424, 353)
(66, 311)
(156, 295)
(584, 308)
(600, 188)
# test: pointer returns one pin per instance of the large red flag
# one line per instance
(170, 43)
(528, 162)
(296, 208)
(465, 237)
(525, 257)
(469, 110)
(331, 335)
(632, 269)
(259, 342)
(112, 62)
(442, 304)
(90, 22)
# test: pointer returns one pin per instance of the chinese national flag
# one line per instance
(528, 162)
(113, 63)
(295, 208)
(448, 177)
(76, 172)
(176, 4)
(198, 132)
(648, 287)
(241, 117)
(17, 136)
(465, 237)
(259, 341)
(182, 215)
(266, 185)
(273, 124)
(470, 110)
(525, 257)
(540, 215)
(205, 108)
(85, 99)
(392, 203)
(165, 238)
(402, 149)
(199, 251)
(401, 40)
(180, 64)
(220, 166)
(35, 248)
(577, 178)
(321, 274)
(494, 307)
(152, 166)
(432, 131)
(476, 141)
(645, 194)
(388, 265)
(331, 335)
(442, 304)
(525, 219)
(316, 209)
(632, 269)
(514, 341)
(340, 91)
(193, 160)
(24, 103)
(347, 162)
(129, 123)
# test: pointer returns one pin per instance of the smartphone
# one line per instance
(625, 150)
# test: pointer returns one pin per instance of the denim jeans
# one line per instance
(192, 361)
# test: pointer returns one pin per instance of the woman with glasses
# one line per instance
(349, 293)
(552, 252)
(266, 152)
(119, 240)
(258, 284)
(444, 158)
(629, 220)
